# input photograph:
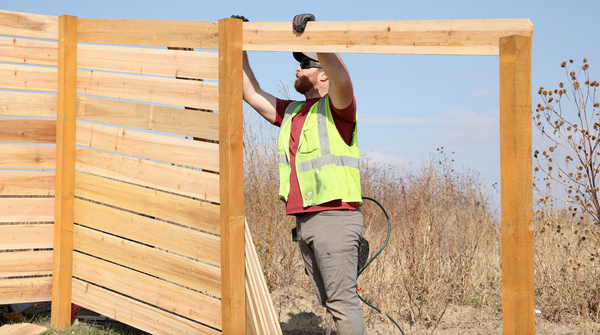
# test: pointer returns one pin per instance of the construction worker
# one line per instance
(319, 174)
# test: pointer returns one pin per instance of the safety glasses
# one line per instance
(307, 64)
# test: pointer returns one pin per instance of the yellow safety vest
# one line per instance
(327, 167)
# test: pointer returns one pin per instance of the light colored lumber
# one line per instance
(435, 37)
(517, 186)
(180, 121)
(261, 315)
(184, 211)
(191, 34)
(164, 177)
(65, 172)
(21, 290)
(153, 291)
(134, 313)
(158, 147)
(26, 51)
(28, 25)
(231, 176)
(27, 104)
(26, 209)
(25, 77)
(152, 89)
(26, 183)
(23, 156)
(162, 235)
(22, 329)
(25, 263)
(152, 61)
(176, 269)
(27, 130)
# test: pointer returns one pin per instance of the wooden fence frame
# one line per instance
(508, 39)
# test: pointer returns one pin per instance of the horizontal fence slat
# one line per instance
(185, 211)
(435, 37)
(134, 313)
(158, 147)
(163, 62)
(162, 235)
(26, 183)
(13, 291)
(28, 25)
(30, 78)
(186, 122)
(165, 295)
(189, 34)
(159, 90)
(22, 156)
(27, 210)
(20, 50)
(165, 177)
(179, 270)
(27, 130)
(27, 104)
(31, 236)
(25, 263)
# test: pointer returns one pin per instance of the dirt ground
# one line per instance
(300, 314)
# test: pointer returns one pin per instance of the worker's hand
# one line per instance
(300, 21)
(241, 17)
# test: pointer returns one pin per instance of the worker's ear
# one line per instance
(323, 77)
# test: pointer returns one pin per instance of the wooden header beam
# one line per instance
(430, 37)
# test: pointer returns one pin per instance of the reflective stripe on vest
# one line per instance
(327, 158)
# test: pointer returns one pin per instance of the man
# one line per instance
(319, 176)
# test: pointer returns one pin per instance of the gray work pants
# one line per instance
(328, 242)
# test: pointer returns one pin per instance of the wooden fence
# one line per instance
(116, 198)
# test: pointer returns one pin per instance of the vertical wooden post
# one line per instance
(65, 172)
(231, 175)
(516, 185)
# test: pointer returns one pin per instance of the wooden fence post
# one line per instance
(516, 185)
(231, 175)
(65, 172)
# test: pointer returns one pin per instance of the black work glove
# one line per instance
(241, 17)
(300, 21)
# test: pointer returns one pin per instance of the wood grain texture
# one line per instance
(30, 236)
(28, 25)
(26, 210)
(26, 51)
(25, 77)
(517, 186)
(150, 290)
(27, 130)
(176, 269)
(162, 235)
(158, 147)
(26, 183)
(232, 176)
(436, 37)
(179, 121)
(191, 34)
(22, 290)
(25, 263)
(184, 211)
(22, 329)
(165, 177)
(22, 156)
(134, 313)
(159, 90)
(172, 63)
(27, 104)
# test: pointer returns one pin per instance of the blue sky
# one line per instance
(408, 105)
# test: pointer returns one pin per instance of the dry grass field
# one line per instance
(442, 266)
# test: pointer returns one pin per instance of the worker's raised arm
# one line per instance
(263, 102)
(341, 91)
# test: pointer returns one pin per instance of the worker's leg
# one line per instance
(329, 244)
